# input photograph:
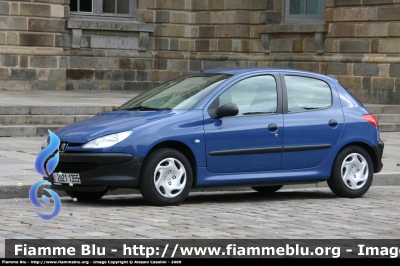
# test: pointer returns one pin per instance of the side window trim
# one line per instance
(285, 94)
(279, 92)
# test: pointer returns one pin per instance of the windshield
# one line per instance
(180, 93)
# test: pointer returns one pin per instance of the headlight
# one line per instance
(107, 141)
(45, 143)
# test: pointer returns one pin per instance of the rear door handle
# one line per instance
(272, 127)
(333, 123)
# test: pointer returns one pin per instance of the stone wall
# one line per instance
(43, 47)
(29, 31)
(172, 20)
(366, 34)
(191, 35)
(359, 44)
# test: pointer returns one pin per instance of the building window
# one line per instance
(111, 8)
(305, 10)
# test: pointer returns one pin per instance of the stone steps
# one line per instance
(383, 109)
(388, 116)
(27, 130)
(53, 110)
(389, 127)
(41, 119)
(26, 121)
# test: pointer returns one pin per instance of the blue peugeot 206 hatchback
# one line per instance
(257, 127)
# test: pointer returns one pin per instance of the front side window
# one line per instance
(103, 7)
(306, 94)
(179, 94)
(253, 96)
(305, 10)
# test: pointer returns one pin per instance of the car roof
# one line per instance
(240, 70)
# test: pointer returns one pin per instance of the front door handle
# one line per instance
(333, 123)
(272, 127)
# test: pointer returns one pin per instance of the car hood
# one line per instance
(110, 123)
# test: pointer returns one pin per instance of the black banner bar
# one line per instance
(169, 249)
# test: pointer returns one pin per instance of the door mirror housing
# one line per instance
(229, 109)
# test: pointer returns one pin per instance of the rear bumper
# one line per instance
(118, 170)
(378, 150)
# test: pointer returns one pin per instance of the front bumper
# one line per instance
(117, 170)
(378, 152)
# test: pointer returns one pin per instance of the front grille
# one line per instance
(80, 167)
(75, 144)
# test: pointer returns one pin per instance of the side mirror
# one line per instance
(229, 109)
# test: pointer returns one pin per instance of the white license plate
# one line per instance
(66, 178)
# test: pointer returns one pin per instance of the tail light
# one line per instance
(371, 119)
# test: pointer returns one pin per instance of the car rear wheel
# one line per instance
(86, 196)
(166, 177)
(352, 173)
(267, 189)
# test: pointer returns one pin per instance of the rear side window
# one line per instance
(305, 94)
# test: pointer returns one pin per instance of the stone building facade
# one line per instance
(50, 45)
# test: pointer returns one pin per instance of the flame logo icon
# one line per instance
(48, 158)
(45, 164)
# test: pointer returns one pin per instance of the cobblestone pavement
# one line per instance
(307, 213)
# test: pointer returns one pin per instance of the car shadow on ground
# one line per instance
(242, 197)
(210, 198)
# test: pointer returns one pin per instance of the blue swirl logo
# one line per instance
(45, 164)
(35, 201)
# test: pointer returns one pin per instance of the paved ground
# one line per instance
(288, 214)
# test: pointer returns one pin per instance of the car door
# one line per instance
(313, 121)
(251, 141)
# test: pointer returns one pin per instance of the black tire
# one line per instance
(267, 189)
(166, 177)
(352, 173)
(86, 196)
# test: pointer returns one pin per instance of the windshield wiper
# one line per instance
(146, 108)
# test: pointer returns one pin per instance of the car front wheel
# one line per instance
(166, 177)
(352, 173)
